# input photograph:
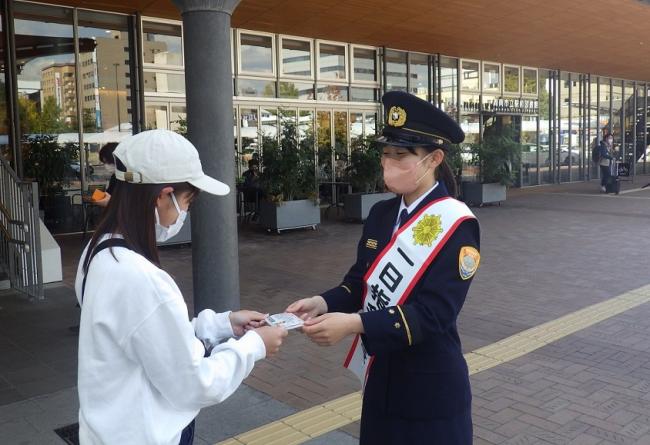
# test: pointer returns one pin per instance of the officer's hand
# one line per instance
(329, 329)
(242, 321)
(308, 307)
(272, 337)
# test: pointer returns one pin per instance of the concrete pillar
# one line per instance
(208, 81)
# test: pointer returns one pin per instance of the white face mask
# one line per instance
(164, 233)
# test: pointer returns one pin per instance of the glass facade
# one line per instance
(330, 90)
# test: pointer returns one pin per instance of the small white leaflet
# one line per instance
(285, 319)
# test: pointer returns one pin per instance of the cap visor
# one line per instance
(394, 142)
(211, 185)
(391, 142)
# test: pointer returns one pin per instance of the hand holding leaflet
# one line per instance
(286, 320)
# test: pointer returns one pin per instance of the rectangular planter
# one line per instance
(475, 193)
(289, 215)
(358, 205)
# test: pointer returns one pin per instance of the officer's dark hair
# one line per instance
(443, 172)
(253, 162)
(130, 213)
(106, 153)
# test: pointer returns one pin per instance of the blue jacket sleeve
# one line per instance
(603, 152)
(347, 297)
(433, 308)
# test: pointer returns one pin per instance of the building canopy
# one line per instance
(606, 37)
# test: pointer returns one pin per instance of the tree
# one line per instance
(289, 90)
(29, 117)
(50, 119)
(89, 120)
(46, 121)
(543, 104)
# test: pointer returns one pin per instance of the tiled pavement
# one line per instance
(590, 388)
(546, 252)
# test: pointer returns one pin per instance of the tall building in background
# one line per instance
(58, 81)
(105, 83)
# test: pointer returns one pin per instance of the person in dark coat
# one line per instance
(401, 298)
(605, 152)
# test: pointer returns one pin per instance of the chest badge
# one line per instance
(371, 244)
(468, 262)
(427, 230)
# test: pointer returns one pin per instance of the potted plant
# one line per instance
(365, 175)
(495, 156)
(288, 182)
(51, 165)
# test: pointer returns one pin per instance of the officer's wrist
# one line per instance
(321, 305)
(356, 325)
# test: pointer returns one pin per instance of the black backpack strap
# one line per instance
(106, 244)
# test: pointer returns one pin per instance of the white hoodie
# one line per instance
(143, 376)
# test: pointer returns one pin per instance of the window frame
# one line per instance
(281, 75)
(519, 83)
(498, 91)
(180, 67)
(536, 93)
(322, 80)
(274, 49)
(353, 80)
(461, 82)
(160, 94)
(408, 71)
(262, 78)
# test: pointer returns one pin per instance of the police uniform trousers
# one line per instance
(407, 407)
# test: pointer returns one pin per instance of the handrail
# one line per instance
(20, 248)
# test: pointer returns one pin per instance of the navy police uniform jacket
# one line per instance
(418, 389)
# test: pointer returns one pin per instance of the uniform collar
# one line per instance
(414, 205)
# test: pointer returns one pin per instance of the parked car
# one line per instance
(75, 169)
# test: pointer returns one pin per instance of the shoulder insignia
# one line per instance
(371, 244)
(468, 261)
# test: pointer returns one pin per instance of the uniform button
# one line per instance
(391, 311)
(397, 325)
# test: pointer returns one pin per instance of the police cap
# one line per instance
(413, 122)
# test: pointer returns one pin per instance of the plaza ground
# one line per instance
(546, 252)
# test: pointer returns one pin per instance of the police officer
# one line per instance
(401, 299)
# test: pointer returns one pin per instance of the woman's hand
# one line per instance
(329, 329)
(242, 321)
(272, 336)
(104, 201)
(308, 307)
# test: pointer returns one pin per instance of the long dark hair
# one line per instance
(130, 213)
(443, 172)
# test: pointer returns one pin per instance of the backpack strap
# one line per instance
(106, 244)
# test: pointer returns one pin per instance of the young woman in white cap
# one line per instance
(145, 369)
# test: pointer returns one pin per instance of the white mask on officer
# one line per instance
(164, 233)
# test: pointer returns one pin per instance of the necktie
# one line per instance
(403, 217)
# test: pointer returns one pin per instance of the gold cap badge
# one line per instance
(396, 117)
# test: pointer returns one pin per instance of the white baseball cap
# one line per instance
(163, 157)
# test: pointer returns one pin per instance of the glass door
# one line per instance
(324, 146)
